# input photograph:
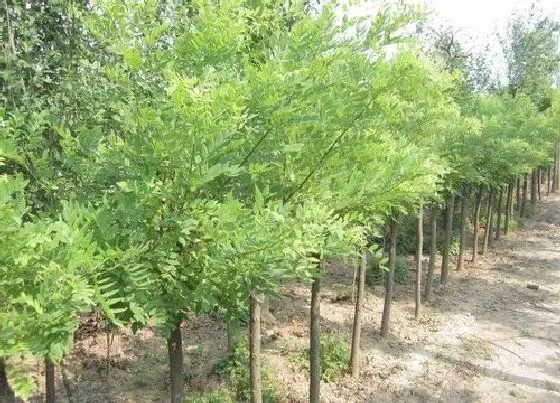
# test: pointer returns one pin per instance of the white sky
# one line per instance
(482, 17)
(478, 22)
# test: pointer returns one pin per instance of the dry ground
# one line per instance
(485, 338)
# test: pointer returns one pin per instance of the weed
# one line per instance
(335, 355)
(236, 368)
(216, 396)
(377, 274)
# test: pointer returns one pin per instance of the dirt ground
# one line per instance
(486, 337)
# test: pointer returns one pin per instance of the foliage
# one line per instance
(236, 368)
(166, 159)
(334, 353)
(377, 274)
(216, 396)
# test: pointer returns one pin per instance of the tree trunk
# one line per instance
(556, 177)
(419, 255)
(476, 224)
(315, 342)
(357, 329)
(492, 216)
(255, 348)
(553, 183)
(433, 252)
(50, 390)
(499, 215)
(533, 187)
(509, 203)
(518, 198)
(548, 180)
(524, 196)
(390, 277)
(488, 229)
(6, 392)
(447, 238)
(539, 183)
(175, 352)
(463, 228)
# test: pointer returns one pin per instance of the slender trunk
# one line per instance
(476, 224)
(548, 180)
(518, 198)
(539, 183)
(385, 320)
(49, 381)
(6, 392)
(357, 329)
(556, 169)
(447, 238)
(509, 203)
(488, 229)
(491, 227)
(175, 352)
(553, 179)
(419, 255)
(533, 187)
(524, 196)
(433, 252)
(255, 348)
(463, 228)
(315, 342)
(499, 215)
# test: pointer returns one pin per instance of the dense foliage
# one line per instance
(166, 159)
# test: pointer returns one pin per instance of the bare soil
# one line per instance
(486, 337)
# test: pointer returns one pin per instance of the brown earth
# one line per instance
(486, 337)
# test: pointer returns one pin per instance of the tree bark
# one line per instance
(6, 392)
(476, 224)
(518, 198)
(175, 352)
(499, 215)
(556, 176)
(315, 342)
(492, 216)
(509, 203)
(463, 228)
(419, 255)
(548, 180)
(357, 328)
(433, 252)
(447, 238)
(553, 179)
(488, 228)
(389, 286)
(50, 391)
(539, 183)
(524, 196)
(255, 348)
(533, 187)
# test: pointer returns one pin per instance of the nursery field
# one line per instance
(273, 201)
(485, 337)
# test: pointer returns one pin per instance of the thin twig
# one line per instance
(503, 348)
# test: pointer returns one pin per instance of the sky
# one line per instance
(478, 23)
(483, 17)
